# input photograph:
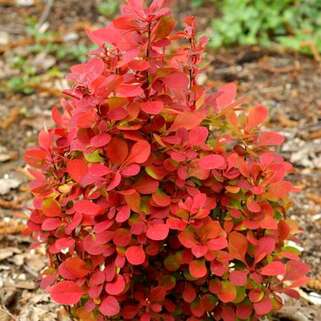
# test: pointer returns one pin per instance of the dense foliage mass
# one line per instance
(290, 23)
(158, 198)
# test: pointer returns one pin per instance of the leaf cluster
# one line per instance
(159, 198)
(291, 23)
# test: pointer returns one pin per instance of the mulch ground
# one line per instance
(289, 84)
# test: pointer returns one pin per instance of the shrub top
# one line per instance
(159, 198)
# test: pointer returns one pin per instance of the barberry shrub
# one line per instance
(159, 198)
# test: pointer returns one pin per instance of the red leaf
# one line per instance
(124, 22)
(91, 246)
(197, 269)
(146, 185)
(176, 81)
(114, 182)
(117, 150)
(197, 309)
(44, 139)
(243, 311)
(109, 307)
(199, 250)
(64, 243)
(109, 34)
(188, 120)
(263, 307)
(157, 232)
(98, 170)
(279, 190)
(265, 246)
(238, 278)
(227, 292)
(103, 226)
(257, 115)
(50, 224)
(97, 278)
(253, 206)
(161, 199)
(56, 116)
(237, 245)
(116, 287)
(189, 293)
(139, 65)
(225, 96)
(130, 170)
(73, 268)
(139, 152)
(217, 244)
(51, 207)
(87, 72)
(87, 207)
(165, 27)
(212, 162)
(100, 140)
(77, 169)
(129, 90)
(135, 255)
(187, 238)
(129, 311)
(66, 292)
(35, 157)
(118, 114)
(121, 237)
(123, 214)
(94, 173)
(270, 138)
(198, 136)
(273, 269)
(152, 107)
(133, 201)
(296, 270)
(256, 295)
(85, 119)
(228, 313)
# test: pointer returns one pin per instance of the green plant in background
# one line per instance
(197, 3)
(23, 82)
(108, 7)
(294, 24)
(47, 42)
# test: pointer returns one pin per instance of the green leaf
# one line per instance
(94, 157)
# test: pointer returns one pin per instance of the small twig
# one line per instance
(315, 134)
(7, 2)
(30, 271)
(5, 310)
(68, 310)
(51, 91)
(13, 116)
(311, 45)
(314, 198)
(17, 30)
(29, 41)
(14, 205)
(310, 127)
(279, 70)
(45, 13)
(12, 229)
(291, 314)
